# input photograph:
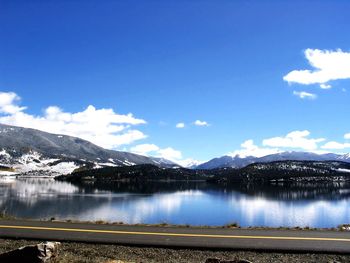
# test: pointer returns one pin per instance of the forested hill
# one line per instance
(285, 171)
(141, 172)
(258, 172)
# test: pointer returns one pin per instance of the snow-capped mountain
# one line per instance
(285, 171)
(227, 161)
(190, 163)
(344, 157)
(238, 162)
(26, 150)
(298, 156)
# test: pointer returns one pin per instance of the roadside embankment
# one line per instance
(73, 252)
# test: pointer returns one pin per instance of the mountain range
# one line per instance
(33, 152)
(239, 162)
(27, 150)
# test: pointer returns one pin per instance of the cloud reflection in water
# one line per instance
(195, 205)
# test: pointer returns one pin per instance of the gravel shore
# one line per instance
(71, 252)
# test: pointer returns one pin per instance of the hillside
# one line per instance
(259, 172)
(285, 171)
(30, 151)
(135, 173)
(239, 162)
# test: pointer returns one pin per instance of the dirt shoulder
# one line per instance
(73, 252)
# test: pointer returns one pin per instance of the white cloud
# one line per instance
(189, 162)
(248, 148)
(299, 140)
(305, 95)
(338, 145)
(295, 139)
(201, 123)
(144, 149)
(8, 101)
(155, 151)
(167, 153)
(325, 86)
(328, 65)
(103, 127)
(335, 145)
(180, 125)
(170, 154)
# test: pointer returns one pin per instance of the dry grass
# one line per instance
(98, 253)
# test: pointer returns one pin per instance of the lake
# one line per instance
(193, 203)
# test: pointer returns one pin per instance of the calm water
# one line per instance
(326, 205)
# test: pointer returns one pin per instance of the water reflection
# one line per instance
(298, 190)
(195, 203)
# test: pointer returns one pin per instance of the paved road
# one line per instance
(286, 240)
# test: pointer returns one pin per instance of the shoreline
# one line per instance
(342, 227)
(83, 250)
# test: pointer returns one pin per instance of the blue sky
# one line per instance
(225, 63)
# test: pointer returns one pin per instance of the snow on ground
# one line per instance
(4, 154)
(64, 167)
(34, 164)
(29, 157)
(97, 166)
(5, 173)
(343, 170)
(107, 164)
(42, 169)
(126, 162)
(47, 161)
(188, 163)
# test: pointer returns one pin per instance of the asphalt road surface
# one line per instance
(216, 238)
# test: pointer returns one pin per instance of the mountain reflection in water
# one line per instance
(194, 203)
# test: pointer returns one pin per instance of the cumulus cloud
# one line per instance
(189, 162)
(327, 65)
(325, 86)
(8, 101)
(299, 140)
(144, 149)
(333, 145)
(180, 125)
(167, 153)
(103, 127)
(201, 123)
(153, 150)
(305, 95)
(294, 139)
(170, 154)
(248, 148)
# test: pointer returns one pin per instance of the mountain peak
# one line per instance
(23, 146)
(238, 162)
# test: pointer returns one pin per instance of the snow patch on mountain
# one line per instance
(190, 163)
(343, 170)
(33, 151)
(344, 157)
(4, 154)
(238, 162)
(33, 163)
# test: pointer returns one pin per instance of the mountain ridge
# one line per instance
(29, 149)
(239, 162)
